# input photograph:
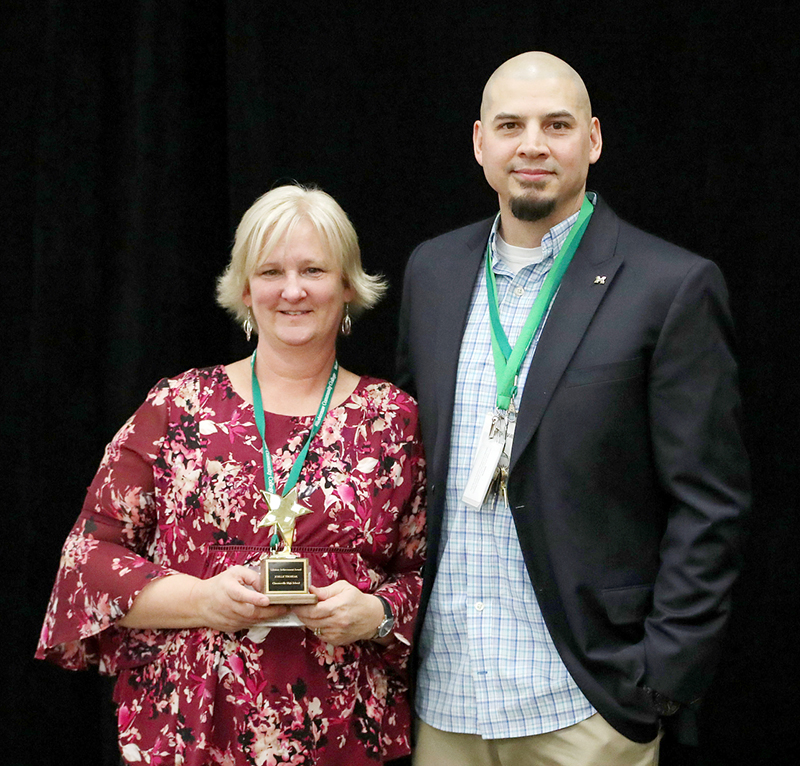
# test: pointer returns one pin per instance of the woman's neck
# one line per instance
(291, 383)
(302, 366)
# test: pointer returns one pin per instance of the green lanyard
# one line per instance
(507, 361)
(258, 406)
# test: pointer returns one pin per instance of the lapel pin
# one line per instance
(598, 280)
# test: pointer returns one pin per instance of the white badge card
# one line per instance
(485, 461)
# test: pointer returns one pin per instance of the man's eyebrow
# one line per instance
(505, 116)
(561, 114)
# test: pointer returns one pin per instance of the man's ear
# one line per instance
(595, 141)
(477, 141)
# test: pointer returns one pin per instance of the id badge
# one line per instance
(485, 460)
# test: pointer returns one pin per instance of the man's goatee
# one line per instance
(531, 209)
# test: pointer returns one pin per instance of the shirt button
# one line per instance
(479, 606)
(519, 291)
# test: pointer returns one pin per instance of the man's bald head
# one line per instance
(535, 141)
(537, 65)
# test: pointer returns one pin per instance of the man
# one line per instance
(586, 473)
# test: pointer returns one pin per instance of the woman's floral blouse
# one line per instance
(178, 491)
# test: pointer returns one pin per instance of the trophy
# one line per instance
(284, 575)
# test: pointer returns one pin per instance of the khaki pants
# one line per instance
(592, 742)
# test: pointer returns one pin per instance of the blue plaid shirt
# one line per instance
(487, 663)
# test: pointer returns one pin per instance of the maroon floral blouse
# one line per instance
(178, 491)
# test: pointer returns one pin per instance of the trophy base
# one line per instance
(286, 580)
(291, 598)
(288, 620)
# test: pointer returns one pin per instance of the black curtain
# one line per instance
(134, 136)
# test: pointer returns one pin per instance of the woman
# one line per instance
(159, 580)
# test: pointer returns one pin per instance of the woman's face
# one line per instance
(297, 293)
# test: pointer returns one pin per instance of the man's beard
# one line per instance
(526, 209)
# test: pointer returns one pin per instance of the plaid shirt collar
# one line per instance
(551, 242)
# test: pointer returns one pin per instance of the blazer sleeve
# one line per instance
(404, 375)
(702, 463)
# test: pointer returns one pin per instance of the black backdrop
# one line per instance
(136, 134)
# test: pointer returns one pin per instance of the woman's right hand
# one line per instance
(229, 601)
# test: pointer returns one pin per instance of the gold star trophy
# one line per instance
(285, 575)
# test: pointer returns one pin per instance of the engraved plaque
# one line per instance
(285, 579)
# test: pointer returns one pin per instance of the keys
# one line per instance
(500, 483)
(503, 488)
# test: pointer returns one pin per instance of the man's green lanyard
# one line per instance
(258, 406)
(507, 361)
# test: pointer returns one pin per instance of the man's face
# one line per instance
(535, 142)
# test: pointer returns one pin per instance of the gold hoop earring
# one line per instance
(347, 323)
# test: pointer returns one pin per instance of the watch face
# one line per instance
(386, 627)
(388, 619)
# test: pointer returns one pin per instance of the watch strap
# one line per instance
(388, 619)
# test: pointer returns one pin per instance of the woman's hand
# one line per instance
(343, 614)
(230, 601)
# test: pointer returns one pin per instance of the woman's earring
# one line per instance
(247, 325)
(347, 323)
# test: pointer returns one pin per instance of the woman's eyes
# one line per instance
(311, 271)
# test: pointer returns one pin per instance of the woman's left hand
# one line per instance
(343, 614)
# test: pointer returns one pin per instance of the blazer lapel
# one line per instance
(461, 266)
(572, 311)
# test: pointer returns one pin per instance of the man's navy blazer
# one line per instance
(628, 475)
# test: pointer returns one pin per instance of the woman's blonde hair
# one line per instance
(270, 219)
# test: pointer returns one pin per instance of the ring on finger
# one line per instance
(317, 631)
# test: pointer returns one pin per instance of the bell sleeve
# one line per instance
(107, 557)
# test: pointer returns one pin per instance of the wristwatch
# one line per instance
(385, 628)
